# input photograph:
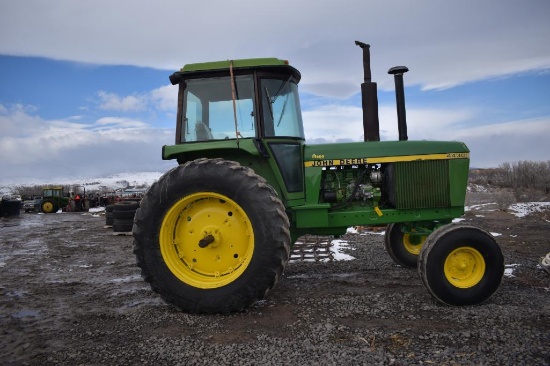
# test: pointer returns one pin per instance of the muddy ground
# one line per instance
(70, 293)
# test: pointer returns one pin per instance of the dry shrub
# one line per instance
(504, 198)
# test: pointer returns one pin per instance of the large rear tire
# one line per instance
(211, 236)
(461, 264)
(48, 206)
(403, 248)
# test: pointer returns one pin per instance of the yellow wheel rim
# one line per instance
(413, 243)
(464, 267)
(206, 240)
(47, 207)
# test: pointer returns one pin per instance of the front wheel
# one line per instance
(403, 248)
(461, 265)
(211, 236)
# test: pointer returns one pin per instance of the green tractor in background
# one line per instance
(214, 234)
(53, 199)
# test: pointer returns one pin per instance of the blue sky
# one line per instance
(84, 87)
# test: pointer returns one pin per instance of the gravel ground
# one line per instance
(70, 294)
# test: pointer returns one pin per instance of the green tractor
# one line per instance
(213, 235)
(53, 198)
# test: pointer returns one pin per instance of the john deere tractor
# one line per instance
(53, 198)
(214, 234)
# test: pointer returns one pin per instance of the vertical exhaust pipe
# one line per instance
(397, 73)
(369, 99)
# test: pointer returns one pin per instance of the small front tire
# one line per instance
(403, 248)
(461, 264)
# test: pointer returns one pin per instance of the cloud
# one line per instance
(112, 123)
(336, 122)
(332, 123)
(16, 121)
(130, 103)
(443, 43)
(511, 141)
(165, 98)
(490, 145)
(62, 148)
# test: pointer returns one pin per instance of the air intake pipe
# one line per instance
(369, 99)
(397, 73)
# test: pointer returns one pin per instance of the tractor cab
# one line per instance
(239, 99)
(247, 109)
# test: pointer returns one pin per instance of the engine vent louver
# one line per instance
(419, 184)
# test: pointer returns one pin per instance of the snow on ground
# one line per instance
(364, 230)
(521, 209)
(481, 207)
(525, 208)
(509, 270)
(337, 247)
(477, 188)
(96, 209)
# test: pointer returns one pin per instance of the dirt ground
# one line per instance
(70, 293)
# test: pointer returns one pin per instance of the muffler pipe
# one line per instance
(397, 73)
(369, 99)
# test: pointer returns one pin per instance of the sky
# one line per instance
(84, 89)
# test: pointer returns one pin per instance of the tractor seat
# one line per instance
(203, 132)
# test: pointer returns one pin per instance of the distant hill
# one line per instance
(121, 180)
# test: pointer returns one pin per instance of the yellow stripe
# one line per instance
(384, 159)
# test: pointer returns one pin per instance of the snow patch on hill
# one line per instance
(120, 180)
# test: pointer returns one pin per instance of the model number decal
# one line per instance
(458, 155)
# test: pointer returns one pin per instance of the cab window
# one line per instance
(208, 109)
(281, 108)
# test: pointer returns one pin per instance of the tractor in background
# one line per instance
(213, 235)
(53, 199)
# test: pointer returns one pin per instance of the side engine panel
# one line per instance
(400, 185)
(357, 184)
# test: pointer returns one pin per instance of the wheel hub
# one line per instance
(206, 240)
(464, 267)
(47, 206)
(413, 243)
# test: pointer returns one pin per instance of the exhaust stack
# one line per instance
(369, 99)
(397, 73)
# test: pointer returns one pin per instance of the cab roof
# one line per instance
(242, 64)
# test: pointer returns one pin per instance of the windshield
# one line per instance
(208, 109)
(52, 193)
(281, 108)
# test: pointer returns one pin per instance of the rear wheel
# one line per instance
(403, 248)
(211, 237)
(461, 265)
(48, 207)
